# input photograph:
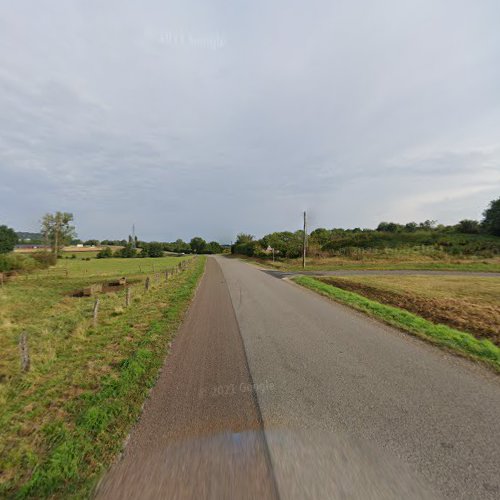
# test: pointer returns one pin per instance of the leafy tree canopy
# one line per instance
(8, 239)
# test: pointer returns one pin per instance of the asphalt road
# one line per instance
(272, 391)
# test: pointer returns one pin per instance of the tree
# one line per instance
(92, 243)
(468, 226)
(411, 227)
(8, 239)
(152, 250)
(428, 224)
(197, 244)
(286, 243)
(180, 246)
(214, 247)
(491, 220)
(389, 227)
(57, 230)
(243, 238)
(321, 236)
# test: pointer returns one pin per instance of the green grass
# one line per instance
(63, 422)
(442, 335)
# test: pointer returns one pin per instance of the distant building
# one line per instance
(31, 247)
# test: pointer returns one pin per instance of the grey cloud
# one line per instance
(352, 111)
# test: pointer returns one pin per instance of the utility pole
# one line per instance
(304, 246)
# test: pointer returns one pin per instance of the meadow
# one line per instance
(63, 421)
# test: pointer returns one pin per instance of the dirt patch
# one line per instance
(107, 287)
(483, 321)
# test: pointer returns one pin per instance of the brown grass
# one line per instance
(467, 303)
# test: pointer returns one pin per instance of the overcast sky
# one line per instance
(214, 117)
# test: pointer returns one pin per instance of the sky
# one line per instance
(216, 117)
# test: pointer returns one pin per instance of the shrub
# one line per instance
(105, 253)
(17, 262)
(44, 259)
(127, 252)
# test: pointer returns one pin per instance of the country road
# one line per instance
(271, 391)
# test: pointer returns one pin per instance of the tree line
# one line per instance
(287, 244)
(57, 231)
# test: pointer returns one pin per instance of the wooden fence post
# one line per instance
(96, 313)
(147, 284)
(24, 352)
(166, 275)
(128, 297)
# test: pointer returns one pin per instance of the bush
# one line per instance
(44, 259)
(105, 253)
(127, 252)
(18, 262)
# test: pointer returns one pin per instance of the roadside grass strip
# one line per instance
(442, 335)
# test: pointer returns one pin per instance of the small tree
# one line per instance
(8, 239)
(57, 230)
(491, 220)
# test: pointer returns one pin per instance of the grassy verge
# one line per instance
(442, 335)
(64, 421)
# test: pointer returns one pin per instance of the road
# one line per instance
(271, 391)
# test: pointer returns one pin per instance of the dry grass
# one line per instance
(468, 303)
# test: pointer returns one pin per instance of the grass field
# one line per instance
(65, 420)
(459, 341)
(468, 303)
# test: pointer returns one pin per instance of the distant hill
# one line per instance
(27, 236)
